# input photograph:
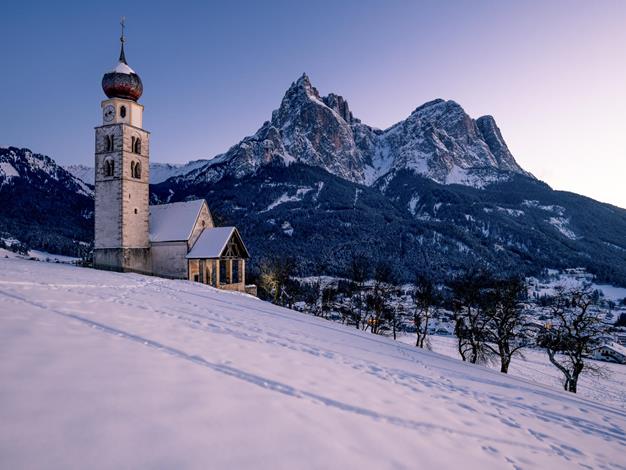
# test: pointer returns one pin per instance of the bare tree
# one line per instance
(574, 330)
(399, 312)
(425, 300)
(329, 296)
(379, 310)
(359, 272)
(470, 321)
(508, 330)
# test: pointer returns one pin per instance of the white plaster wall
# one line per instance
(134, 112)
(204, 216)
(136, 115)
(168, 259)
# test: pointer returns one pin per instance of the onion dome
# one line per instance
(122, 82)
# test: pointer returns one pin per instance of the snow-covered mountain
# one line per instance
(104, 370)
(84, 173)
(438, 140)
(516, 226)
(315, 176)
(161, 171)
(42, 205)
(26, 166)
(158, 171)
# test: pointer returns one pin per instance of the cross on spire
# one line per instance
(123, 40)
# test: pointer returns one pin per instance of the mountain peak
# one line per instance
(429, 104)
(303, 86)
(304, 80)
(439, 140)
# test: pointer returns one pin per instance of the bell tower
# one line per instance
(122, 174)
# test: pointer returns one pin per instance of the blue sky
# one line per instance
(552, 73)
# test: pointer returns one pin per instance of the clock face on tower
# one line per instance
(109, 113)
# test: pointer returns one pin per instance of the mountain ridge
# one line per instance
(437, 140)
(42, 205)
(437, 192)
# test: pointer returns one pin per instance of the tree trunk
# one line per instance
(460, 348)
(505, 357)
(424, 332)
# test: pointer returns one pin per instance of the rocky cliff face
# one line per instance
(438, 140)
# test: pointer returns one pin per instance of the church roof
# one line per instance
(175, 221)
(212, 243)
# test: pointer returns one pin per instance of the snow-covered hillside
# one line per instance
(107, 370)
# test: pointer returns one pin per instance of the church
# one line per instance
(177, 240)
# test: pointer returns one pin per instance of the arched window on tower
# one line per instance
(108, 143)
(137, 145)
(109, 167)
(132, 144)
(123, 112)
(135, 170)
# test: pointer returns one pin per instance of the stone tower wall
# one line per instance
(122, 201)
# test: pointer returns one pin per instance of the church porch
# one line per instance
(222, 273)
(218, 258)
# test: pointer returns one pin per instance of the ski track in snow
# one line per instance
(533, 419)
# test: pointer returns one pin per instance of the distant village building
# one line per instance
(610, 352)
(177, 240)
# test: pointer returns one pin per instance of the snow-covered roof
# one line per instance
(618, 348)
(123, 68)
(175, 221)
(212, 242)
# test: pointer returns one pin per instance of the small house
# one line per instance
(610, 352)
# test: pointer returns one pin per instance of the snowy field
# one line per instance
(535, 366)
(107, 370)
(39, 256)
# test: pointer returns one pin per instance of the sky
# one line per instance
(552, 73)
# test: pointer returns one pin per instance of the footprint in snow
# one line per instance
(466, 407)
(538, 435)
(490, 450)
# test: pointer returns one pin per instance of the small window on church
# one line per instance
(135, 210)
(137, 145)
(123, 112)
(203, 223)
(108, 143)
(132, 144)
(109, 168)
(135, 169)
